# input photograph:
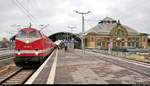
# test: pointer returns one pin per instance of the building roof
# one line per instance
(105, 28)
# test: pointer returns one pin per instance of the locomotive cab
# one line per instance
(28, 34)
(31, 46)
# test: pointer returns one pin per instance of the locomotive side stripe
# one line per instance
(33, 51)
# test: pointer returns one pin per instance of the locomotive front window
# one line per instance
(22, 34)
(34, 34)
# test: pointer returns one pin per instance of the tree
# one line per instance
(5, 39)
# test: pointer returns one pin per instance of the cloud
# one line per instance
(59, 14)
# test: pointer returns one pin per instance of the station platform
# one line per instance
(74, 68)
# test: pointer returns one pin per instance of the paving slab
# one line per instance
(73, 68)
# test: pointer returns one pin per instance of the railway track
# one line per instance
(20, 76)
(6, 61)
(136, 66)
(6, 57)
(6, 54)
(1, 49)
(17, 77)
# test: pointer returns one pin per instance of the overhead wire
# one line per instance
(25, 10)
(22, 10)
(96, 19)
(87, 22)
(29, 3)
(37, 4)
(32, 18)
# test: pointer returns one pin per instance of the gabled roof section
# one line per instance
(101, 29)
(104, 27)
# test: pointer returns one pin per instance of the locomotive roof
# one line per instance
(30, 29)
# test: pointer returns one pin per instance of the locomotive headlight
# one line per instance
(19, 53)
(27, 41)
(36, 53)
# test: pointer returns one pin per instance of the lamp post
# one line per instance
(71, 28)
(118, 39)
(82, 13)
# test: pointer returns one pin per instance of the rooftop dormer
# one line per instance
(107, 20)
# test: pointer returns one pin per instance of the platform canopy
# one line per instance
(65, 36)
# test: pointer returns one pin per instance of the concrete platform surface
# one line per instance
(72, 68)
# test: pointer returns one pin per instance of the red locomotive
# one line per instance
(31, 46)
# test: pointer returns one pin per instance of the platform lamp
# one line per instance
(82, 13)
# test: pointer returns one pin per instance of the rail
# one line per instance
(6, 54)
(10, 75)
(4, 49)
(18, 77)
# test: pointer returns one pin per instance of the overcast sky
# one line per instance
(59, 14)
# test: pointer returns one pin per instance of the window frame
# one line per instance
(21, 36)
(31, 36)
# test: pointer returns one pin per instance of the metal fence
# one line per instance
(120, 54)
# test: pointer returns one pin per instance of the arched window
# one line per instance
(118, 37)
(118, 33)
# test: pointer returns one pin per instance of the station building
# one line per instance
(109, 32)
